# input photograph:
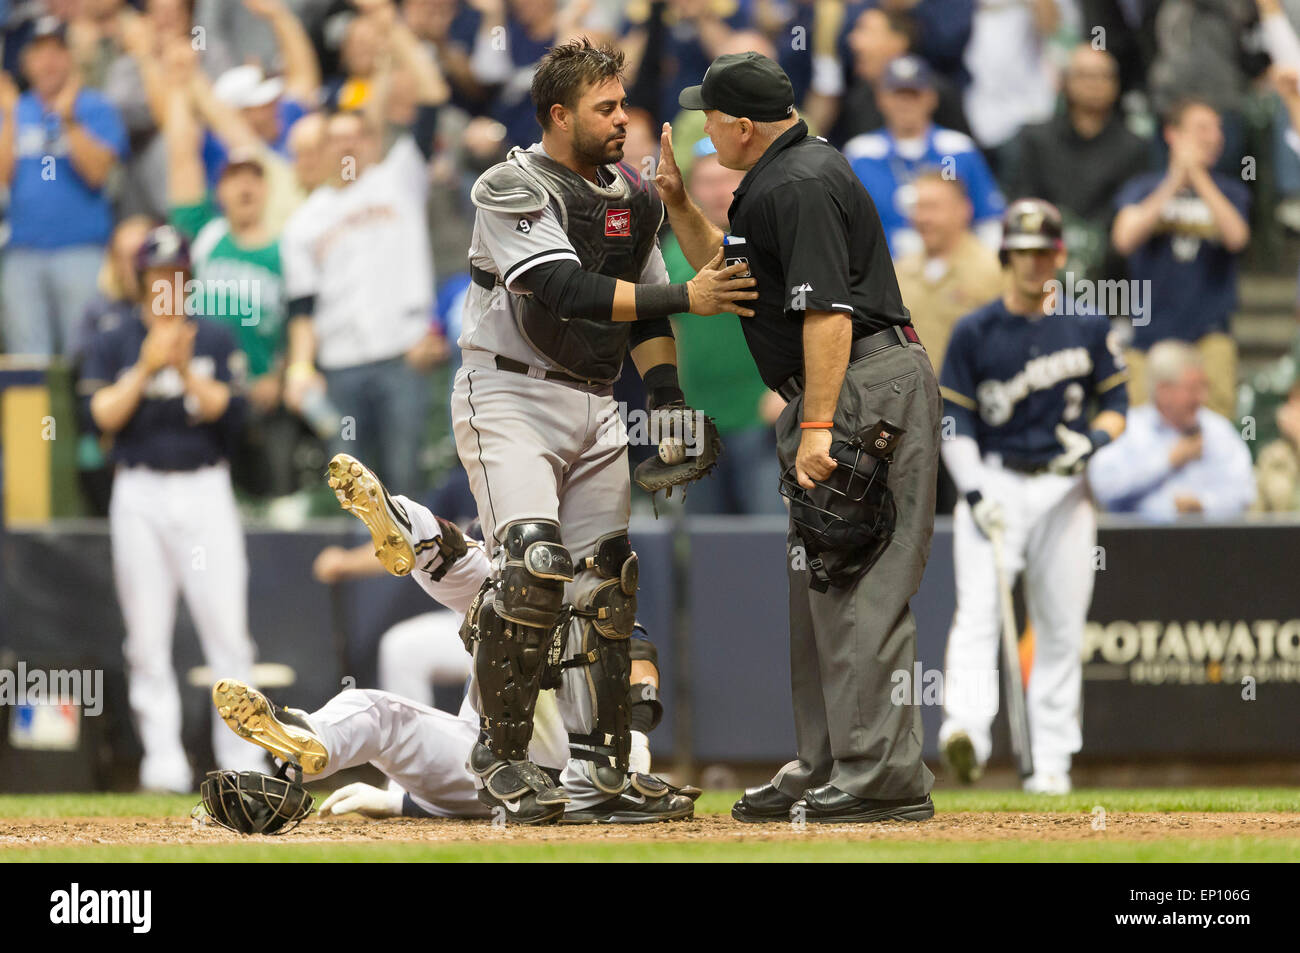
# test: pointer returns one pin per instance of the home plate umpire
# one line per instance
(857, 442)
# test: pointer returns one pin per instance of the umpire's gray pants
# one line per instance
(846, 643)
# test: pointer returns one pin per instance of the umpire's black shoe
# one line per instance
(829, 805)
(763, 805)
(646, 800)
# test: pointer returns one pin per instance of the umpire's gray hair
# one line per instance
(767, 131)
(1168, 360)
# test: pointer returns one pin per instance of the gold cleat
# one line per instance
(361, 494)
(285, 732)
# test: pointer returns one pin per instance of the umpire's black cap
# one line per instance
(744, 85)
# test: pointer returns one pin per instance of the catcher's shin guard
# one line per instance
(607, 746)
(513, 629)
(608, 616)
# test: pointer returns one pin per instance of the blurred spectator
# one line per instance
(719, 374)
(888, 161)
(677, 39)
(225, 111)
(306, 143)
(270, 106)
(1012, 82)
(688, 126)
(1202, 52)
(949, 277)
(1183, 231)
(513, 35)
(114, 305)
(236, 259)
(1277, 471)
(58, 144)
(1283, 48)
(359, 278)
(1127, 29)
(135, 83)
(447, 29)
(877, 38)
(164, 390)
(953, 272)
(95, 38)
(1176, 456)
(1079, 159)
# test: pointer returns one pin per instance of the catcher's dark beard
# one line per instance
(594, 150)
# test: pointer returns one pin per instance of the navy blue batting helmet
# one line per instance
(164, 247)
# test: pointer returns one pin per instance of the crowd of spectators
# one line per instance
(317, 154)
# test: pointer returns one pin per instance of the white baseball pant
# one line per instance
(1051, 529)
(178, 533)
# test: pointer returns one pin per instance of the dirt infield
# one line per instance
(951, 827)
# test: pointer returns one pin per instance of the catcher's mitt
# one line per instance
(689, 447)
(249, 802)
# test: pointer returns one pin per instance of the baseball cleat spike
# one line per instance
(285, 732)
(362, 494)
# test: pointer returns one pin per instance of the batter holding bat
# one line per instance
(1019, 381)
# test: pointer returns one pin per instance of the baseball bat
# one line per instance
(1012, 683)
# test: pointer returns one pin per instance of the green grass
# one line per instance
(1103, 848)
(1252, 849)
(719, 802)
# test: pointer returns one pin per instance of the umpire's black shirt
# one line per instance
(814, 242)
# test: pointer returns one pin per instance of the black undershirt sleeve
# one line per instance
(565, 288)
(568, 290)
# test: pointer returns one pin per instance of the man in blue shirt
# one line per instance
(1183, 230)
(889, 159)
(58, 144)
(1176, 456)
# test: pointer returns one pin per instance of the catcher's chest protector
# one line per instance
(613, 230)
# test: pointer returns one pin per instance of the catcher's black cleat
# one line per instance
(518, 792)
(829, 805)
(763, 805)
(525, 810)
(647, 800)
(362, 494)
(285, 732)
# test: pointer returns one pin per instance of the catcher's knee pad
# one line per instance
(509, 661)
(608, 663)
(536, 568)
(611, 606)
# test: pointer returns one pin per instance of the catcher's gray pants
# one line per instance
(846, 643)
(542, 450)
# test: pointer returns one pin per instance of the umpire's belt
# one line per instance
(893, 336)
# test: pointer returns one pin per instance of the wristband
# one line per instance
(816, 425)
(1099, 438)
(659, 301)
(662, 387)
(300, 369)
(973, 497)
